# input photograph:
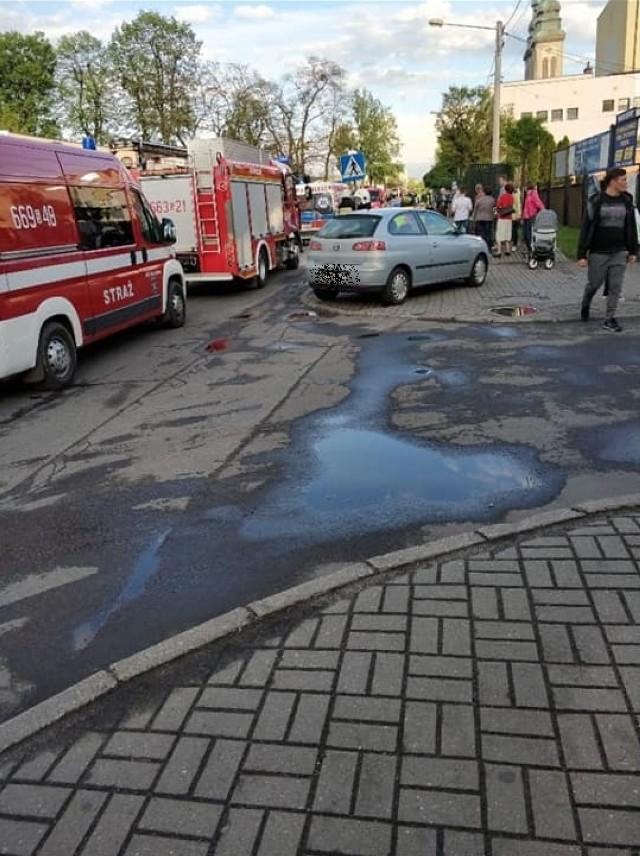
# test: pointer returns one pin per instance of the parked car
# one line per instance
(390, 251)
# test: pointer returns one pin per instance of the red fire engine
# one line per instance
(235, 210)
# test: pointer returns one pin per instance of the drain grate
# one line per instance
(513, 311)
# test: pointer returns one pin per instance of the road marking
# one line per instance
(36, 584)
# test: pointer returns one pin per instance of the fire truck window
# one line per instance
(103, 217)
(149, 225)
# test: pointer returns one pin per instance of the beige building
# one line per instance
(618, 38)
(544, 56)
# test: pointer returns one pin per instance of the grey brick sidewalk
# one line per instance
(486, 704)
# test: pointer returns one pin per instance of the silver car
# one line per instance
(390, 251)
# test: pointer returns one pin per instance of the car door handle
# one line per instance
(134, 259)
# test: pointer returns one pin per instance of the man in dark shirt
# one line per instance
(608, 240)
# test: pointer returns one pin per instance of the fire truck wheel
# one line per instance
(57, 357)
(263, 270)
(293, 261)
(176, 306)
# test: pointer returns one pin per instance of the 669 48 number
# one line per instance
(28, 217)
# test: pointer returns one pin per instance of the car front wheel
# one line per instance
(478, 271)
(397, 288)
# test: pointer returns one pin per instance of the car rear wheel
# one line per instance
(478, 271)
(57, 356)
(397, 288)
(263, 270)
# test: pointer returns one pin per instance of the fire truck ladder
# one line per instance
(207, 211)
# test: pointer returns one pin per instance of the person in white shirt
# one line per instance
(461, 208)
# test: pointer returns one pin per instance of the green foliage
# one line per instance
(464, 127)
(156, 61)
(568, 240)
(530, 145)
(27, 68)
(85, 90)
(438, 176)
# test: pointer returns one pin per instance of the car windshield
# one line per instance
(376, 195)
(350, 226)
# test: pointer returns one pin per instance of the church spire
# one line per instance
(544, 55)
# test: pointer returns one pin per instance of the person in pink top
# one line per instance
(532, 204)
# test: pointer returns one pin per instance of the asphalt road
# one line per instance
(190, 471)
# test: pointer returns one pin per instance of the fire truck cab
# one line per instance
(235, 209)
(82, 256)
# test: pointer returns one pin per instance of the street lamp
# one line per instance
(500, 33)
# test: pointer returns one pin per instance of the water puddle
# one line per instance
(513, 311)
(618, 444)
(147, 565)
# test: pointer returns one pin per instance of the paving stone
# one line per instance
(302, 635)
(456, 638)
(271, 791)
(453, 667)
(503, 630)
(565, 573)
(224, 698)
(529, 685)
(518, 847)
(139, 745)
(560, 597)
(441, 608)
(379, 622)
(228, 674)
(448, 773)
(493, 684)
(631, 679)
(579, 742)
(510, 721)
(396, 599)
(182, 766)
(363, 641)
(462, 844)
(175, 709)
(219, 724)
(484, 603)
(388, 674)
(275, 758)
(606, 789)
(537, 573)
(515, 604)
(582, 676)
(580, 699)
(367, 709)
(424, 636)
(565, 614)
(354, 672)
(377, 738)
(610, 826)
(156, 845)
(296, 679)
(528, 751)
(114, 826)
(439, 808)
(416, 841)
(627, 635)
(240, 832)
(457, 731)
(74, 823)
(259, 668)
(124, 775)
(586, 547)
(34, 801)
(419, 732)
(332, 631)
(506, 806)
(76, 759)
(551, 805)
(309, 719)
(506, 650)
(453, 572)
(590, 644)
(294, 658)
(355, 837)
(180, 817)
(223, 763)
(282, 834)
(609, 607)
(35, 769)
(496, 580)
(440, 593)
(336, 782)
(620, 741)
(20, 837)
(273, 720)
(376, 786)
(439, 689)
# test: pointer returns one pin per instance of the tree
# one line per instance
(377, 136)
(464, 127)
(84, 85)
(300, 109)
(225, 102)
(156, 60)
(27, 69)
(528, 141)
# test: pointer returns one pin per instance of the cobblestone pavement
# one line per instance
(555, 295)
(485, 703)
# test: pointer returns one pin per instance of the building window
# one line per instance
(542, 114)
(545, 68)
(608, 105)
(526, 115)
(636, 102)
(556, 115)
(624, 103)
(572, 112)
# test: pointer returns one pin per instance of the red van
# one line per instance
(82, 256)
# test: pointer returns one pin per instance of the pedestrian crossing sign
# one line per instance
(352, 166)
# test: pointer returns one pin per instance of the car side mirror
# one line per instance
(168, 231)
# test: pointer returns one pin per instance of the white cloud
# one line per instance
(196, 14)
(254, 12)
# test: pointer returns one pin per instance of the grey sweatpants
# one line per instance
(609, 268)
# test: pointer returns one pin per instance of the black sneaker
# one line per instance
(584, 313)
(612, 326)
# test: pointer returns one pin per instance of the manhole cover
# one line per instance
(302, 315)
(513, 311)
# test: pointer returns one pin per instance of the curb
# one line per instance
(90, 689)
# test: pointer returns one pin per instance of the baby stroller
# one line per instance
(543, 240)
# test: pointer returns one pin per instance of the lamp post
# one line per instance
(500, 33)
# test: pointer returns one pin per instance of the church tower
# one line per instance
(544, 55)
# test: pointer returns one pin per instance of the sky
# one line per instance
(386, 46)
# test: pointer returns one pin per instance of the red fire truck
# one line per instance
(82, 256)
(235, 209)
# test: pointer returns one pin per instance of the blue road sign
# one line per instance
(352, 166)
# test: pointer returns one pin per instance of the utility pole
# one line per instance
(497, 80)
